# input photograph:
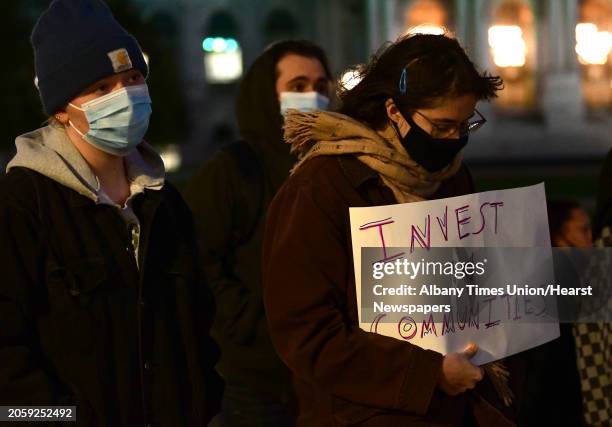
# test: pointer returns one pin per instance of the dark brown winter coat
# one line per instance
(343, 375)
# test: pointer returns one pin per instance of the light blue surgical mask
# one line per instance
(117, 121)
(303, 101)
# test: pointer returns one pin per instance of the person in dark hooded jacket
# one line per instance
(102, 303)
(229, 197)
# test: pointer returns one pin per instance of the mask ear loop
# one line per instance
(75, 107)
(81, 134)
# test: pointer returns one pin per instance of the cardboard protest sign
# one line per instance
(515, 218)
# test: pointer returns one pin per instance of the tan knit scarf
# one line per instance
(325, 133)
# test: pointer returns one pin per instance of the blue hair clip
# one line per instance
(402, 82)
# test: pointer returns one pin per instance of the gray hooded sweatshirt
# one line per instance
(50, 152)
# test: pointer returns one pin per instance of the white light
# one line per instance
(223, 67)
(219, 45)
(427, 29)
(584, 31)
(146, 58)
(592, 46)
(350, 79)
(171, 156)
(509, 48)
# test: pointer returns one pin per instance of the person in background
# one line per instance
(229, 197)
(552, 390)
(594, 340)
(102, 305)
(397, 138)
(570, 225)
(603, 213)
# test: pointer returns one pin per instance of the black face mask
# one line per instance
(431, 153)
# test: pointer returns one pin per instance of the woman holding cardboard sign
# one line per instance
(397, 138)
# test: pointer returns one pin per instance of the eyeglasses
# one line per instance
(445, 131)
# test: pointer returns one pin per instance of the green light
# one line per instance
(231, 45)
(219, 45)
(207, 44)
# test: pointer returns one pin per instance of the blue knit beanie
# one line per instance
(76, 43)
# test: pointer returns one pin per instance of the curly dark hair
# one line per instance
(436, 66)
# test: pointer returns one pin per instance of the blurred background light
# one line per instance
(508, 45)
(171, 156)
(223, 67)
(350, 79)
(427, 29)
(219, 44)
(592, 46)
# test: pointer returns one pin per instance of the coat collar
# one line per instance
(355, 171)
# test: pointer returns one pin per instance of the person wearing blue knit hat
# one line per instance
(102, 304)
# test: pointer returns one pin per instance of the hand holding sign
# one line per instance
(458, 373)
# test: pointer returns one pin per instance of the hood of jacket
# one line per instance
(48, 151)
(259, 118)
